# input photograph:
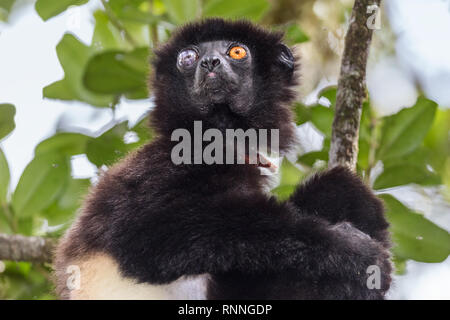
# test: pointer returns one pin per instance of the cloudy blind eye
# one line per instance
(187, 57)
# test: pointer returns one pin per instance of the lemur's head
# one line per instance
(227, 74)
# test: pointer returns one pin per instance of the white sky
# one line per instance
(28, 62)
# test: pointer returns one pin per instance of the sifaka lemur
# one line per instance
(152, 229)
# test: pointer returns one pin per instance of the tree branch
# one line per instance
(153, 27)
(351, 91)
(116, 23)
(21, 248)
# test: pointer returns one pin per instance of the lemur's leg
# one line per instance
(251, 235)
(338, 195)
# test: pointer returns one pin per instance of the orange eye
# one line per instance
(237, 53)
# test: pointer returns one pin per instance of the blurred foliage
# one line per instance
(5, 9)
(412, 145)
(414, 236)
(50, 8)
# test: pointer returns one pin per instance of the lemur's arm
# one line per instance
(338, 195)
(253, 235)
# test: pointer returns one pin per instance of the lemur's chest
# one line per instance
(100, 278)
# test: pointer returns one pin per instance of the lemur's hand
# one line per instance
(376, 266)
(339, 195)
(354, 258)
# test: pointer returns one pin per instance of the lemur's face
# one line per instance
(216, 71)
(227, 74)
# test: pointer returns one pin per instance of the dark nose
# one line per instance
(210, 62)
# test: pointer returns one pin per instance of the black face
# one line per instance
(227, 74)
(216, 72)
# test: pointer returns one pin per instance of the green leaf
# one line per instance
(118, 72)
(446, 179)
(406, 173)
(368, 130)
(366, 125)
(64, 207)
(109, 147)
(290, 177)
(4, 226)
(400, 265)
(26, 225)
(437, 140)
(7, 124)
(6, 4)
(106, 36)
(311, 157)
(363, 154)
(136, 11)
(4, 178)
(50, 8)
(290, 174)
(73, 56)
(64, 143)
(283, 192)
(330, 94)
(249, 9)
(404, 131)
(21, 281)
(419, 156)
(59, 90)
(302, 113)
(41, 182)
(144, 132)
(5, 8)
(322, 118)
(294, 34)
(415, 237)
(181, 11)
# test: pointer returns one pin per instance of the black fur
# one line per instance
(161, 221)
(273, 84)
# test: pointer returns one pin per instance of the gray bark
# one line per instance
(351, 91)
(21, 248)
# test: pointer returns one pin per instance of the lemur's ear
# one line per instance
(286, 57)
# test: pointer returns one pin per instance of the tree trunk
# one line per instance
(351, 91)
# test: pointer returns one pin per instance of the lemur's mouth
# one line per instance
(213, 83)
(262, 162)
(212, 79)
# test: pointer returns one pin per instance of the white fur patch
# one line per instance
(100, 279)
